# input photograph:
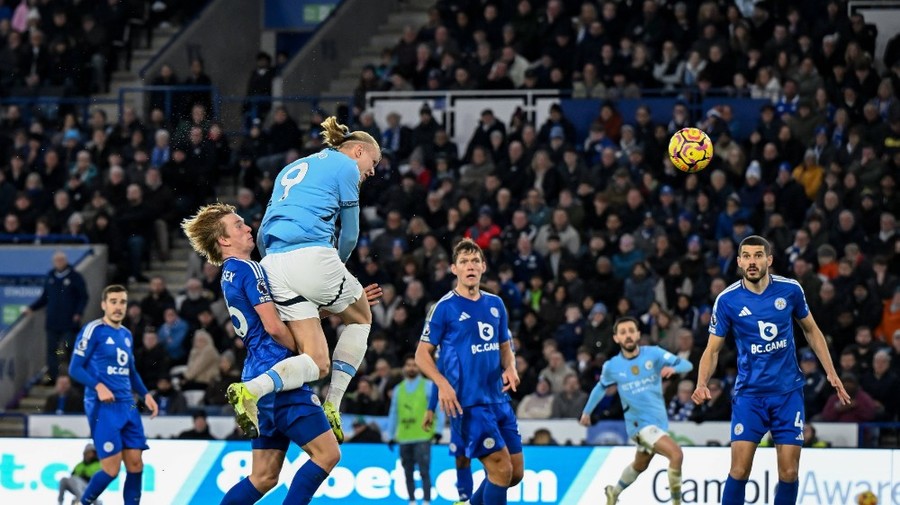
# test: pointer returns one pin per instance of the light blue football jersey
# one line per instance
(306, 200)
(763, 330)
(640, 386)
(469, 334)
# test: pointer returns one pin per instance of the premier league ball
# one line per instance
(690, 150)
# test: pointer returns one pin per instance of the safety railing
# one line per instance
(883, 435)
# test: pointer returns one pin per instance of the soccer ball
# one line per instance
(690, 150)
(867, 498)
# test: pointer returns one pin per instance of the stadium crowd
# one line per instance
(575, 233)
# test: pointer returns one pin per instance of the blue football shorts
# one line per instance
(291, 416)
(115, 426)
(485, 429)
(783, 415)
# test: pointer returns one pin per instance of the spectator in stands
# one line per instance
(810, 438)
(539, 404)
(136, 222)
(556, 371)
(171, 402)
(192, 301)
(680, 406)
(366, 400)
(160, 202)
(568, 403)
(206, 321)
(882, 384)
(158, 299)
(890, 316)
(135, 321)
(65, 399)
(202, 363)
(382, 377)
(717, 409)
(259, 87)
(215, 396)
(65, 296)
(862, 407)
(197, 77)
(151, 359)
(365, 433)
(863, 348)
(77, 482)
(200, 429)
(172, 335)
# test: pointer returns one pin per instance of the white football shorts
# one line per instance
(305, 280)
(647, 437)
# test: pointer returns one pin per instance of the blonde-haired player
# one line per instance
(220, 235)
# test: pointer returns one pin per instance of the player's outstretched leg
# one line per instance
(668, 448)
(629, 475)
(348, 356)
(287, 374)
(245, 411)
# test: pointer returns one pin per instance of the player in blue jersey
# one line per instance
(103, 361)
(637, 372)
(759, 310)
(290, 413)
(457, 449)
(476, 367)
(305, 270)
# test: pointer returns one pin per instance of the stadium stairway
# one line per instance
(174, 271)
(412, 12)
(130, 78)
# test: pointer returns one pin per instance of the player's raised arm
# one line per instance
(818, 344)
(708, 363)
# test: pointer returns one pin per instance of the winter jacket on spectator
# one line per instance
(65, 296)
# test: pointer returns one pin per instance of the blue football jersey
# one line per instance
(106, 355)
(640, 386)
(469, 334)
(763, 330)
(244, 286)
(306, 200)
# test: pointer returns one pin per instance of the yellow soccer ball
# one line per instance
(866, 498)
(690, 150)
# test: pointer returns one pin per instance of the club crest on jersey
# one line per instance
(121, 357)
(635, 370)
(127, 342)
(738, 428)
(495, 312)
(780, 303)
(489, 443)
(485, 331)
(316, 401)
(648, 365)
(108, 446)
